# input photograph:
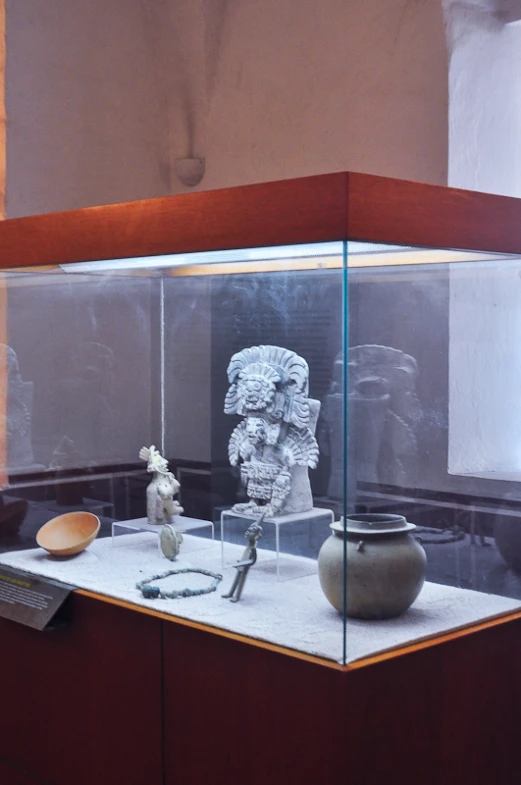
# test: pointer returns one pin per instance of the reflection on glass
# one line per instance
(19, 411)
(444, 448)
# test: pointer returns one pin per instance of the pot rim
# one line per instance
(372, 524)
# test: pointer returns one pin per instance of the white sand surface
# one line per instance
(292, 613)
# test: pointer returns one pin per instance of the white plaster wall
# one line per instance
(103, 95)
(485, 100)
(485, 370)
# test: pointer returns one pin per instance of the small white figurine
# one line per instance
(161, 505)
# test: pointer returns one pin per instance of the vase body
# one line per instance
(385, 566)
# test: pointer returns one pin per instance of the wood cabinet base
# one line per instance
(124, 697)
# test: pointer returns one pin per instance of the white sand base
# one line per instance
(294, 614)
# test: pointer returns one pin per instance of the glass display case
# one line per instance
(312, 441)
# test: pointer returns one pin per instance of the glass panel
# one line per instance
(79, 360)
(434, 434)
(225, 363)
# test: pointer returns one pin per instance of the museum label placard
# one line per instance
(31, 600)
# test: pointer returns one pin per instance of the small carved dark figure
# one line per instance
(253, 533)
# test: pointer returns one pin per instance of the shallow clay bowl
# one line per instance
(68, 534)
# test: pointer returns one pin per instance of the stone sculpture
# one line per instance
(253, 534)
(274, 445)
(161, 505)
(17, 421)
(384, 412)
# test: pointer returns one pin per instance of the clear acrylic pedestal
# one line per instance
(181, 524)
(304, 533)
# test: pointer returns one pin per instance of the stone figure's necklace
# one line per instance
(153, 592)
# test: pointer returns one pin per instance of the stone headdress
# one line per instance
(269, 380)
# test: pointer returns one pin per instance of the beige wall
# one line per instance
(332, 85)
(85, 124)
(103, 95)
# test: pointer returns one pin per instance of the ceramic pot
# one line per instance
(385, 566)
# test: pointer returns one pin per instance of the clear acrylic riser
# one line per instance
(181, 524)
(301, 534)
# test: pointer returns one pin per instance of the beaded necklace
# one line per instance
(153, 592)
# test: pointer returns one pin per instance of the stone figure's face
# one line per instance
(255, 392)
(256, 431)
(157, 463)
(253, 533)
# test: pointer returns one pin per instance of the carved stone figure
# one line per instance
(253, 534)
(161, 505)
(17, 422)
(274, 444)
(383, 411)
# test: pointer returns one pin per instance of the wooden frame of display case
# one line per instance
(311, 209)
(135, 696)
